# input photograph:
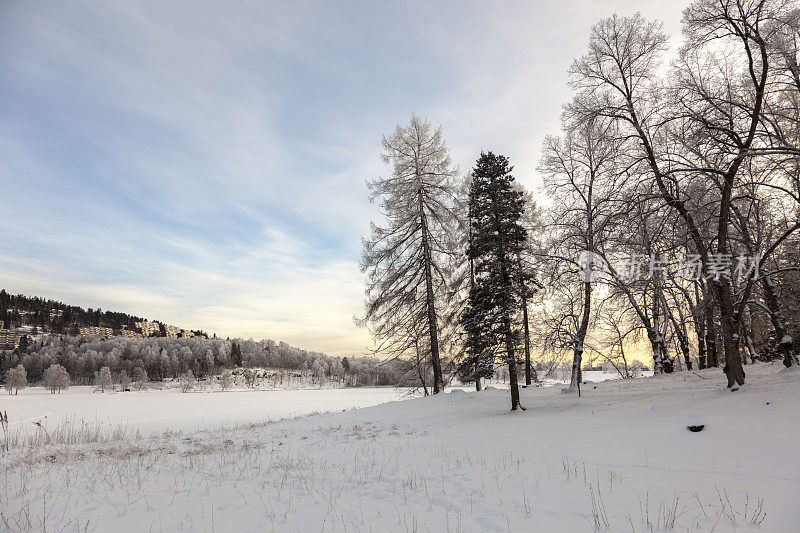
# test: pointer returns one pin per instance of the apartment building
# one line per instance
(161, 330)
(9, 339)
(104, 332)
(147, 328)
(173, 332)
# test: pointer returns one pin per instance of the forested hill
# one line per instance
(158, 358)
(57, 317)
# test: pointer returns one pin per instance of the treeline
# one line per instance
(159, 359)
(675, 196)
(57, 317)
(674, 205)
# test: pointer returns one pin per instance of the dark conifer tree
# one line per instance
(236, 354)
(497, 240)
(476, 364)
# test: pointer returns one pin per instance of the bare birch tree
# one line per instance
(583, 183)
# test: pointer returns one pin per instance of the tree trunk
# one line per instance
(655, 347)
(687, 356)
(512, 367)
(778, 322)
(655, 336)
(683, 337)
(526, 330)
(730, 334)
(507, 308)
(700, 331)
(528, 368)
(419, 368)
(438, 383)
(471, 288)
(747, 331)
(711, 331)
(577, 354)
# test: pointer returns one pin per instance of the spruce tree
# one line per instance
(476, 363)
(497, 240)
(236, 354)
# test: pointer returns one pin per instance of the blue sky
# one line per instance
(203, 163)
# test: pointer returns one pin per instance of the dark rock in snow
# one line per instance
(695, 429)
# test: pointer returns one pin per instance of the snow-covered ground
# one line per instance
(168, 409)
(618, 458)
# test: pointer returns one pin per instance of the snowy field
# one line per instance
(619, 458)
(168, 409)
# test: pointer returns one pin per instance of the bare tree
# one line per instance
(527, 257)
(124, 380)
(140, 377)
(56, 378)
(16, 379)
(405, 260)
(103, 379)
(701, 127)
(187, 381)
(583, 181)
(226, 380)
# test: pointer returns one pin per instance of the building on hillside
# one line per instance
(130, 333)
(93, 330)
(174, 332)
(148, 329)
(157, 329)
(9, 339)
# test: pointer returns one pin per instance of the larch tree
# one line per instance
(406, 258)
(496, 207)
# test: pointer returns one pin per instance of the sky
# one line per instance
(203, 163)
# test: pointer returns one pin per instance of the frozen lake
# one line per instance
(169, 408)
(158, 410)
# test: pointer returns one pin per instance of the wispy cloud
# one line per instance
(204, 163)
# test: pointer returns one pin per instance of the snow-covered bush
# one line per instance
(140, 377)
(16, 379)
(124, 380)
(103, 379)
(187, 381)
(226, 380)
(56, 378)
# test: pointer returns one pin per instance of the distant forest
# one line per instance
(57, 317)
(158, 359)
